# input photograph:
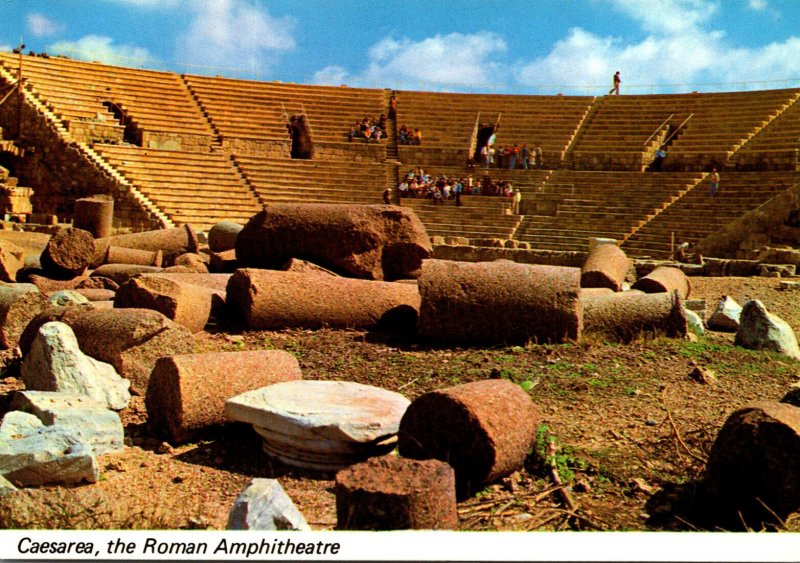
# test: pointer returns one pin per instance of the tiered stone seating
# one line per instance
(776, 146)
(189, 187)
(696, 214)
(600, 204)
(314, 181)
(75, 91)
(447, 122)
(245, 109)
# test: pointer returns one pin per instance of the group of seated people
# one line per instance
(368, 129)
(406, 136)
(440, 189)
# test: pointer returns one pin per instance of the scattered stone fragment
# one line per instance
(664, 279)
(6, 486)
(498, 302)
(92, 295)
(186, 304)
(81, 416)
(19, 303)
(761, 330)
(605, 266)
(67, 297)
(264, 505)
(789, 285)
(46, 284)
(95, 214)
(695, 322)
(222, 236)
(187, 392)
(34, 454)
(270, 299)
(394, 493)
(752, 474)
(12, 259)
(776, 270)
(121, 273)
(374, 242)
(56, 363)
(725, 317)
(68, 253)
(483, 429)
(194, 262)
(223, 262)
(793, 395)
(703, 375)
(323, 425)
(304, 266)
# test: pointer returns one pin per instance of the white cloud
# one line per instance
(455, 60)
(42, 26)
(225, 34)
(757, 5)
(100, 48)
(149, 4)
(668, 16)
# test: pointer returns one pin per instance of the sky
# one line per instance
(494, 46)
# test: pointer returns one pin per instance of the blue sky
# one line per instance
(530, 46)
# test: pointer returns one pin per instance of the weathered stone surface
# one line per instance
(394, 493)
(761, 330)
(223, 262)
(186, 304)
(776, 270)
(304, 266)
(18, 305)
(218, 282)
(95, 214)
(268, 299)
(222, 236)
(67, 297)
(789, 285)
(695, 322)
(80, 415)
(187, 392)
(34, 454)
(171, 242)
(46, 284)
(696, 305)
(264, 505)
(56, 363)
(594, 242)
(725, 317)
(194, 262)
(792, 396)
(754, 461)
(121, 273)
(68, 254)
(628, 315)
(363, 241)
(92, 295)
(122, 255)
(501, 301)
(12, 258)
(664, 279)
(606, 266)
(483, 429)
(131, 340)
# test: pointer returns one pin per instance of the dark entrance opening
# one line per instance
(131, 134)
(302, 144)
(484, 133)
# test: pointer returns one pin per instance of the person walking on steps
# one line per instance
(617, 81)
(713, 181)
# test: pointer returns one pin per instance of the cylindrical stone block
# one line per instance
(68, 253)
(498, 302)
(95, 214)
(96, 293)
(605, 266)
(268, 299)
(186, 304)
(664, 279)
(394, 493)
(120, 273)
(122, 255)
(171, 242)
(628, 315)
(483, 429)
(46, 284)
(222, 236)
(213, 281)
(187, 393)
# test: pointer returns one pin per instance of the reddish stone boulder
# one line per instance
(665, 279)
(483, 429)
(187, 393)
(68, 253)
(605, 266)
(373, 242)
(394, 493)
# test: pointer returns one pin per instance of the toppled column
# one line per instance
(605, 266)
(186, 304)
(483, 429)
(629, 315)
(664, 279)
(187, 392)
(68, 253)
(121, 273)
(122, 255)
(171, 242)
(95, 214)
(374, 242)
(394, 493)
(496, 302)
(268, 299)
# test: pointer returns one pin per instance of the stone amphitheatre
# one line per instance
(207, 322)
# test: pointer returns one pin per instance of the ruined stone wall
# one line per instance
(524, 256)
(92, 131)
(346, 152)
(169, 141)
(59, 173)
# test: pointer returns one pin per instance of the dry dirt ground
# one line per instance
(633, 430)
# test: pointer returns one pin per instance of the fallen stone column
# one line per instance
(171, 242)
(222, 236)
(625, 316)
(213, 281)
(122, 255)
(18, 306)
(394, 493)
(95, 214)
(268, 299)
(483, 429)
(605, 266)
(362, 241)
(497, 302)
(187, 392)
(664, 279)
(68, 253)
(186, 304)
(121, 273)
